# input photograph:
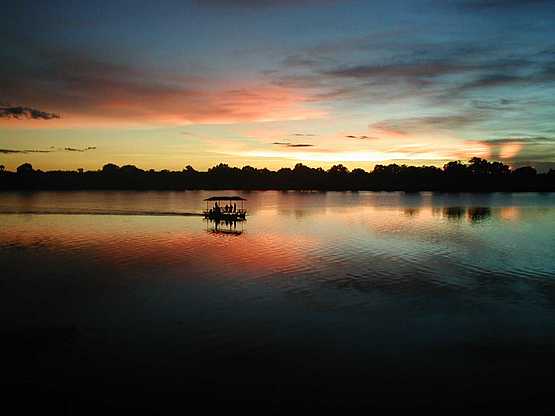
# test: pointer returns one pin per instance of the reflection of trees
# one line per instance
(476, 214)
(473, 214)
(453, 213)
(411, 212)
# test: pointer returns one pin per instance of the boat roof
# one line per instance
(225, 198)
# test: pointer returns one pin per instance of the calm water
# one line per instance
(319, 298)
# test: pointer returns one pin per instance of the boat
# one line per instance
(224, 208)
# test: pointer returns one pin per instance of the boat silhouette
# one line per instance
(228, 212)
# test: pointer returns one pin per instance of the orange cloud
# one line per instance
(471, 148)
(129, 105)
(510, 150)
(86, 91)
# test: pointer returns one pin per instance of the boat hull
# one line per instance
(224, 216)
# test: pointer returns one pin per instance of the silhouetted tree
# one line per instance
(525, 172)
(338, 170)
(456, 169)
(220, 169)
(477, 175)
(498, 169)
(130, 170)
(25, 168)
(110, 168)
(479, 166)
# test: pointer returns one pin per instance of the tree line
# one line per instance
(476, 175)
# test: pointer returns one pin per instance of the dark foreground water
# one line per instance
(111, 300)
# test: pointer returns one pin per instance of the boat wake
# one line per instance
(101, 212)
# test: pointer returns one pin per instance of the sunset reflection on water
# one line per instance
(357, 285)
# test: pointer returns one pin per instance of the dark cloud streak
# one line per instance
(496, 5)
(13, 151)
(73, 149)
(363, 137)
(20, 112)
(51, 150)
(261, 4)
(287, 144)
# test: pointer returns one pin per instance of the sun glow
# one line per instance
(340, 156)
(510, 150)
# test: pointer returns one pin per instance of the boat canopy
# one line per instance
(225, 198)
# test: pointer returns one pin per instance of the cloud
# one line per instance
(89, 90)
(363, 137)
(10, 151)
(496, 104)
(490, 81)
(50, 150)
(374, 71)
(287, 144)
(542, 75)
(404, 70)
(261, 4)
(425, 73)
(402, 55)
(520, 151)
(481, 5)
(26, 112)
(73, 149)
(411, 125)
(526, 140)
(389, 128)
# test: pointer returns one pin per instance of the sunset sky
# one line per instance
(272, 83)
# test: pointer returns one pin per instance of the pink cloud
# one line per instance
(86, 92)
(385, 129)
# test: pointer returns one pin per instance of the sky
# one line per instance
(267, 83)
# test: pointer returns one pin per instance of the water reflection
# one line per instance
(474, 215)
(225, 227)
(454, 213)
(478, 214)
(436, 281)
(412, 199)
(411, 212)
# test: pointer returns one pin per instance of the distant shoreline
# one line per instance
(301, 190)
(478, 175)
